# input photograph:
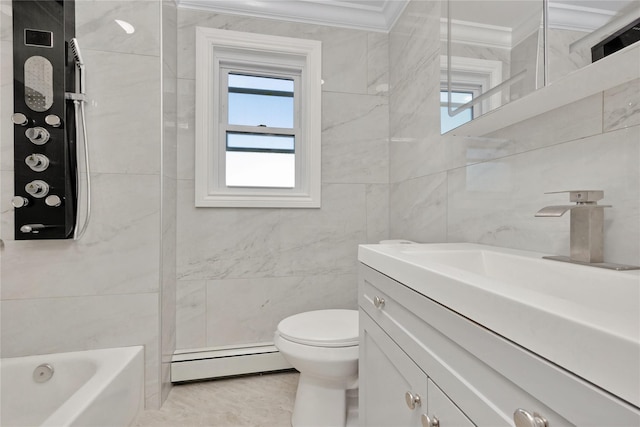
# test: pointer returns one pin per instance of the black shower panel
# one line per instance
(44, 70)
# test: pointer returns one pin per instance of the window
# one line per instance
(459, 97)
(470, 79)
(259, 129)
(257, 120)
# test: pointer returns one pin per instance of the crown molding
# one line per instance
(476, 34)
(379, 16)
(577, 18)
(561, 16)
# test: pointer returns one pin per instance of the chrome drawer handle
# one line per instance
(523, 418)
(428, 421)
(412, 400)
(378, 302)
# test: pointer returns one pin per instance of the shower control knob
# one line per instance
(38, 135)
(19, 119)
(37, 188)
(19, 202)
(37, 162)
(53, 201)
(53, 120)
(32, 228)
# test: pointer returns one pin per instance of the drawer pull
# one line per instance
(428, 421)
(378, 302)
(523, 418)
(412, 400)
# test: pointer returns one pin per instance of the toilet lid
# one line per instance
(322, 328)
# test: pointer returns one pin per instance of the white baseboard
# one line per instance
(198, 364)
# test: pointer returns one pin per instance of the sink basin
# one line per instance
(585, 319)
(540, 280)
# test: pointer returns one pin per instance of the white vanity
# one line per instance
(457, 335)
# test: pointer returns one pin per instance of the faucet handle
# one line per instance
(582, 196)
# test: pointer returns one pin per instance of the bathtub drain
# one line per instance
(43, 373)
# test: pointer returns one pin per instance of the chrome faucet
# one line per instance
(586, 232)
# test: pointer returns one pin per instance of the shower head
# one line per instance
(75, 48)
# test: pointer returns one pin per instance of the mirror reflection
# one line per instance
(578, 28)
(494, 52)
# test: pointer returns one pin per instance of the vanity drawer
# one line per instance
(486, 375)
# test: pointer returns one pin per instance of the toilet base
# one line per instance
(319, 404)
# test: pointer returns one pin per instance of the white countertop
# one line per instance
(584, 319)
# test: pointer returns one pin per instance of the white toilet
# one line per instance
(323, 346)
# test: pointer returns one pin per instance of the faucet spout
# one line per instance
(554, 211)
(586, 232)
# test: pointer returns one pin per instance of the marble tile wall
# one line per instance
(525, 57)
(104, 290)
(562, 58)
(240, 271)
(486, 190)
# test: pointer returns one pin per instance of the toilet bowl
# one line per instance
(323, 346)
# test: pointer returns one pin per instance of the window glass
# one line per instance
(260, 101)
(448, 122)
(457, 98)
(258, 169)
(242, 81)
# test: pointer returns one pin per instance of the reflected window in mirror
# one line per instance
(468, 80)
(458, 98)
(497, 42)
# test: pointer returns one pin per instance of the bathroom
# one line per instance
(154, 270)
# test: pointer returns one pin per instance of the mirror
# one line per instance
(491, 54)
(494, 52)
(576, 26)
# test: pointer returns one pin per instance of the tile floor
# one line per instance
(252, 401)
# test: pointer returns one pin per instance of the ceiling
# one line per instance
(373, 15)
(380, 15)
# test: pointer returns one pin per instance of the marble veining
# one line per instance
(622, 106)
(424, 219)
(562, 60)
(97, 29)
(354, 146)
(103, 291)
(494, 203)
(486, 189)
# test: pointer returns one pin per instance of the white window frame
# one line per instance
(219, 49)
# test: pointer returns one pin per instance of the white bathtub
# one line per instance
(87, 388)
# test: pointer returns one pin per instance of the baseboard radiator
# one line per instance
(207, 363)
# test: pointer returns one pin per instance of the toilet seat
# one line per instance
(322, 328)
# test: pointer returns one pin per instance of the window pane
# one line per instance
(251, 169)
(260, 101)
(260, 83)
(260, 142)
(447, 122)
(457, 97)
(256, 110)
